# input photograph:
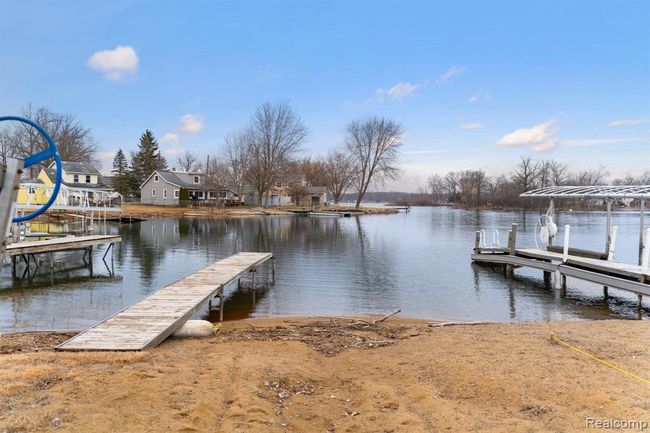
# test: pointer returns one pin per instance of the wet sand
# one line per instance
(334, 375)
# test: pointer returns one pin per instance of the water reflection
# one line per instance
(418, 262)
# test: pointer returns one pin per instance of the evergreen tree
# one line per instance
(120, 173)
(146, 159)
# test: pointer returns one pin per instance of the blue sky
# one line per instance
(475, 84)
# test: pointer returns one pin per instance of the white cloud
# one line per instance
(192, 123)
(472, 125)
(478, 96)
(539, 138)
(452, 72)
(115, 64)
(171, 137)
(173, 151)
(627, 122)
(398, 92)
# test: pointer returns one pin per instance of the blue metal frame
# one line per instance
(50, 152)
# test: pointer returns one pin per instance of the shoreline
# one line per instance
(294, 374)
(143, 210)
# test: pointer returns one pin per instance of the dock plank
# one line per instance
(151, 320)
(59, 244)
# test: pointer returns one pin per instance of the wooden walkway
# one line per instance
(59, 244)
(148, 322)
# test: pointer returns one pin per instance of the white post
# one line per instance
(645, 260)
(565, 256)
(483, 240)
(612, 244)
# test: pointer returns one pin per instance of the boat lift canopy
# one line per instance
(607, 192)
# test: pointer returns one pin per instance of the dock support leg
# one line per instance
(238, 283)
(254, 271)
(221, 304)
(90, 259)
(639, 307)
(558, 280)
(547, 279)
(509, 270)
(52, 266)
(13, 267)
(273, 269)
(605, 293)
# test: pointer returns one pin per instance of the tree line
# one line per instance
(266, 153)
(474, 188)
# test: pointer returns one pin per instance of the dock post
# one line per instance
(642, 244)
(547, 278)
(13, 267)
(639, 307)
(608, 225)
(477, 241)
(565, 251)
(52, 265)
(645, 259)
(221, 304)
(605, 293)
(90, 259)
(254, 271)
(273, 269)
(512, 240)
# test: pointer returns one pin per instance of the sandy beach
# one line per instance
(334, 375)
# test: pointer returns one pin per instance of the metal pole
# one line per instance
(221, 304)
(641, 230)
(608, 226)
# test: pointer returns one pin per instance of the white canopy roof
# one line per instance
(604, 191)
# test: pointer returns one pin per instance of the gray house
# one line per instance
(163, 187)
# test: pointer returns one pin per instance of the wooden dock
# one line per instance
(151, 320)
(59, 244)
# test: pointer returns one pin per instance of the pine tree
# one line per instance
(120, 173)
(146, 159)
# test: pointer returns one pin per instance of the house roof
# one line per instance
(315, 189)
(182, 180)
(51, 174)
(77, 167)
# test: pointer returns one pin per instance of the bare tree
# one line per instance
(6, 150)
(558, 172)
(218, 174)
(188, 162)
(525, 174)
(374, 147)
(274, 136)
(340, 173)
(236, 155)
(75, 142)
(436, 185)
(451, 184)
(594, 176)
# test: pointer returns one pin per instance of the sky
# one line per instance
(475, 84)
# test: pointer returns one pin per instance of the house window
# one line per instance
(153, 193)
(87, 178)
(212, 194)
(176, 193)
(164, 193)
(197, 179)
(156, 178)
(32, 190)
(199, 194)
(75, 178)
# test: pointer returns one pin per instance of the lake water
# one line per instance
(417, 261)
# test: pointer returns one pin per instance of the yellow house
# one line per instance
(36, 193)
(75, 175)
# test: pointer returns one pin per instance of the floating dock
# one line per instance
(150, 321)
(608, 273)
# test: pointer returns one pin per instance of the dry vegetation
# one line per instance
(334, 375)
